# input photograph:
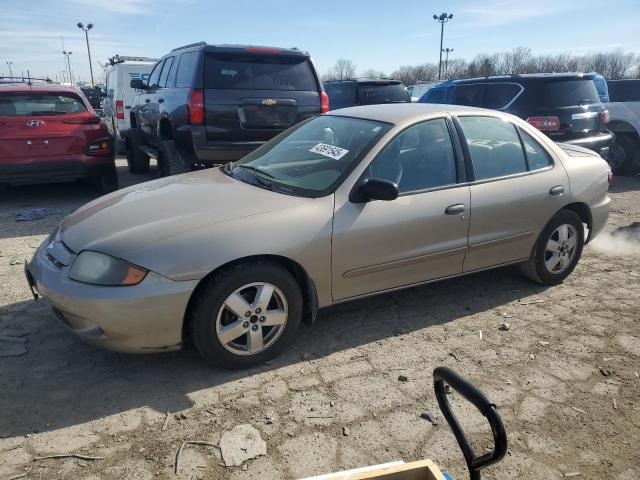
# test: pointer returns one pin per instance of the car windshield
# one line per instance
(29, 104)
(311, 158)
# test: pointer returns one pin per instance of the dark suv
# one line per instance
(566, 106)
(351, 93)
(209, 104)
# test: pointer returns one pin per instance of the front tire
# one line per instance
(246, 314)
(173, 163)
(557, 250)
(137, 160)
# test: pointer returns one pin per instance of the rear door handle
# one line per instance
(557, 190)
(456, 209)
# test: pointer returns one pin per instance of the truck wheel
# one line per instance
(137, 160)
(173, 163)
(109, 180)
(557, 251)
(631, 147)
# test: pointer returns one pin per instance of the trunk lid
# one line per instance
(251, 96)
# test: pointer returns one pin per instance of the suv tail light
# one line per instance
(605, 117)
(545, 124)
(195, 107)
(119, 110)
(99, 147)
(324, 102)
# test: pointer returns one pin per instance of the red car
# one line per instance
(50, 133)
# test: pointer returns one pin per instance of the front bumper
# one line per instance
(143, 318)
(599, 217)
(600, 143)
(34, 171)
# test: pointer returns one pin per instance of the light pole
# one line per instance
(86, 35)
(68, 54)
(10, 71)
(442, 18)
(446, 51)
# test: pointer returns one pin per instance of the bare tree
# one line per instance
(373, 73)
(410, 75)
(343, 69)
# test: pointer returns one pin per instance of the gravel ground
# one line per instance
(564, 376)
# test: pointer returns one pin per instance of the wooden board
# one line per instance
(420, 470)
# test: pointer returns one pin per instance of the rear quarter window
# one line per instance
(186, 69)
(499, 95)
(469, 95)
(258, 72)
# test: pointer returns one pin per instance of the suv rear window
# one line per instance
(30, 104)
(258, 72)
(375, 93)
(341, 94)
(569, 92)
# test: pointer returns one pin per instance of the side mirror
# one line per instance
(375, 189)
(137, 84)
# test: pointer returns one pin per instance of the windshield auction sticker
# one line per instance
(329, 151)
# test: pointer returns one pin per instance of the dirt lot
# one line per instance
(333, 400)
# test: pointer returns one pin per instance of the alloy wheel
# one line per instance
(561, 249)
(252, 318)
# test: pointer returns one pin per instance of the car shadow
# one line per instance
(63, 382)
(46, 205)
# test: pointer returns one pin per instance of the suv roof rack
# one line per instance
(197, 44)
(120, 59)
(28, 80)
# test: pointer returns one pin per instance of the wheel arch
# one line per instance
(165, 130)
(307, 286)
(622, 127)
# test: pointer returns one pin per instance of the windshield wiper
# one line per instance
(257, 170)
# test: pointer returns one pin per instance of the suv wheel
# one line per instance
(246, 315)
(631, 147)
(557, 250)
(137, 160)
(172, 161)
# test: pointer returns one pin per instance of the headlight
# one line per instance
(100, 269)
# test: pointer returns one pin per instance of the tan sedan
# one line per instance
(359, 202)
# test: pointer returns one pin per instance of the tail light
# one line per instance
(195, 107)
(119, 110)
(85, 120)
(98, 147)
(605, 117)
(324, 102)
(610, 176)
(545, 124)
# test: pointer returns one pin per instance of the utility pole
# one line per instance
(68, 54)
(442, 18)
(10, 70)
(86, 35)
(446, 51)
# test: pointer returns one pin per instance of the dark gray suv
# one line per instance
(210, 104)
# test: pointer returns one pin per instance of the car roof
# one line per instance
(514, 77)
(373, 81)
(234, 48)
(401, 112)
(40, 88)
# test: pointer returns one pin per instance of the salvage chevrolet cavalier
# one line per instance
(357, 202)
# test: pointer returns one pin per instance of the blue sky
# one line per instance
(374, 33)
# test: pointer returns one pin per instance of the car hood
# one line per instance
(130, 219)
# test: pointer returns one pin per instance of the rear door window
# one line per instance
(155, 74)
(568, 93)
(258, 72)
(372, 94)
(469, 95)
(494, 147)
(536, 154)
(499, 95)
(32, 104)
(186, 68)
(164, 76)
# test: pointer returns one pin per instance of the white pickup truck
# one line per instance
(624, 121)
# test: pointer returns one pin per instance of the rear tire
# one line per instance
(631, 147)
(109, 180)
(210, 314)
(555, 257)
(172, 161)
(137, 160)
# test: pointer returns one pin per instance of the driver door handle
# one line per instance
(456, 209)
(557, 190)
